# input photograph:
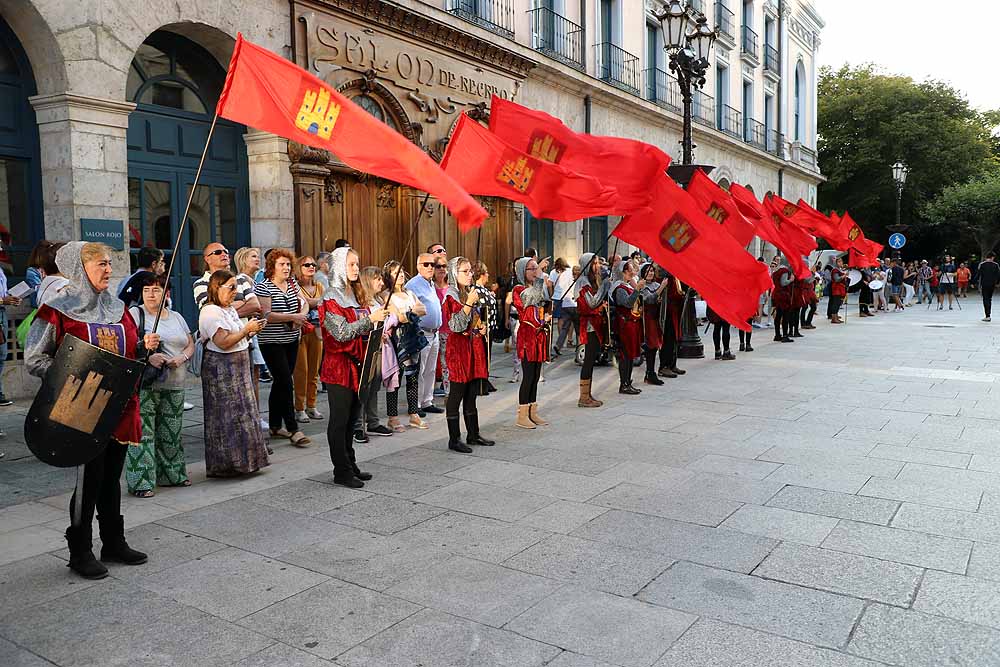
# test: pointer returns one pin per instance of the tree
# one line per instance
(972, 208)
(867, 120)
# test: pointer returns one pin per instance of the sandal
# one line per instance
(280, 433)
(417, 422)
(394, 424)
(144, 494)
(299, 439)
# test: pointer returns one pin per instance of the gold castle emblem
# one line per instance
(790, 210)
(544, 147)
(107, 339)
(853, 233)
(777, 220)
(677, 233)
(80, 403)
(317, 115)
(717, 213)
(517, 174)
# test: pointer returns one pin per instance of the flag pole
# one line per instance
(184, 219)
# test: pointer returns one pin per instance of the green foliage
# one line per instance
(972, 208)
(867, 120)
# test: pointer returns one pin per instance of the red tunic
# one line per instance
(651, 325)
(801, 295)
(837, 288)
(675, 305)
(592, 316)
(629, 327)
(120, 339)
(466, 351)
(342, 361)
(532, 342)
(781, 295)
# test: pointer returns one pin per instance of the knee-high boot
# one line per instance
(472, 435)
(455, 437)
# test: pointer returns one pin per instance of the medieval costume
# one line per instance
(628, 325)
(671, 308)
(781, 297)
(532, 342)
(100, 318)
(346, 326)
(652, 298)
(810, 301)
(720, 336)
(838, 292)
(466, 359)
(591, 308)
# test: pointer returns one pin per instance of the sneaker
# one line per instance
(188, 406)
(439, 392)
(433, 410)
(359, 436)
(986, 319)
(4, 401)
(264, 425)
(314, 413)
(380, 431)
(301, 417)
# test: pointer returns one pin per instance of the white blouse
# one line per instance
(213, 318)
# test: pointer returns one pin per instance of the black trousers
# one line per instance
(668, 352)
(987, 291)
(780, 323)
(392, 397)
(745, 335)
(721, 334)
(101, 489)
(344, 409)
(833, 306)
(793, 320)
(650, 362)
(807, 314)
(280, 359)
(462, 395)
(590, 353)
(624, 369)
(531, 372)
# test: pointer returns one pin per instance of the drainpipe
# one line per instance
(781, 182)
(587, 102)
(781, 76)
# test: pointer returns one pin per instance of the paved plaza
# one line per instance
(832, 503)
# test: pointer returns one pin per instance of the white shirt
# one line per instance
(213, 318)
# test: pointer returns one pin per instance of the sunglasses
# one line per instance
(309, 264)
(440, 266)
(220, 251)
(439, 251)
(426, 264)
(229, 287)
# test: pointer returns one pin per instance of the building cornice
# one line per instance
(68, 106)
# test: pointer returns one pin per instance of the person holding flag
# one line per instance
(530, 297)
(652, 300)
(838, 292)
(626, 295)
(781, 296)
(592, 311)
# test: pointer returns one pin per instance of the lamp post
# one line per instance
(899, 173)
(688, 40)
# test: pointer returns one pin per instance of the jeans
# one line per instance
(3, 345)
(922, 289)
(367, 417)
(567, 322)
(428, 369)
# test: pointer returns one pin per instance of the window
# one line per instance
(172, 71)
(800, 103)
(595, 234)
(375, 107)
(538, 234)
(607, 21)
(721, 91)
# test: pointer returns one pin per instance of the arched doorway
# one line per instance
(20, 175)
(175, 84)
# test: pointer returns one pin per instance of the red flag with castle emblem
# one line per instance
(484, 164)
(859, 260)
(675, 232)
(627, 165)
(792, 241)
(817, 224)
(855, 237)
(267, 92)
(719, 205)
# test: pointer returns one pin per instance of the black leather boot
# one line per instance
(455, 437)
(114, 548)
(472, 435)
(81, 555)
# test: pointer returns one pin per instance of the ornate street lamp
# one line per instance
(688, 41)
(899, 173)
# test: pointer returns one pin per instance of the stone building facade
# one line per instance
(105, 106)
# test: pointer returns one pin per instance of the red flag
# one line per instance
(484, 164)
(719, 205)
(695, 249)
(818, 224)
(852, 232)
(875, 248)
(629, 166)
(859, 260)
(265, 91)
(792, 241)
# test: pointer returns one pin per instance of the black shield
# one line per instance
(371, 367)
(80, 403)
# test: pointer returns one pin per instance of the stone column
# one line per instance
(272, 208)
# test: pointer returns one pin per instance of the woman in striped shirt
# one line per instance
(286, 312)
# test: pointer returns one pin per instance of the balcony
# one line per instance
(497, 16)
(556, 37)
(663, 89)
(703, 108)
(731, 121)
(748, 45)
(772, 61)
(725, 21)
(754, 133)
(775, 143)
(618, 67)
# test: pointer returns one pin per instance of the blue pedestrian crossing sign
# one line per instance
(897, 241)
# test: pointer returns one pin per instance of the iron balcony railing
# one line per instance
(749, 41)
(754, 133)
(808, 156)
(731, 121)
(775, 143)
(702, 108)
(556, 36)
(618, 67)
(772, 61)
(725, 20)
(663, 89)
(497, 16)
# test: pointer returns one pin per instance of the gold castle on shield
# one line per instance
(80, 403)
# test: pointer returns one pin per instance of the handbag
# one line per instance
(21, 333)
(150, 373)
(194, 363)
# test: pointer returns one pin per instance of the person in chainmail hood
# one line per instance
(85, 308)
(530, 297)
(465, 356)
(591, 308)
(346, 325)
(626, 297)
(652, 301)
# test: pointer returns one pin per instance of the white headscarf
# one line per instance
(340, 290)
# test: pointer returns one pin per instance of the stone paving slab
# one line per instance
(691, 508)
(834, 504)
(900, 546)
(780, 524)
(384, 515)
(923, 493)
(961, 598)
(976, 526)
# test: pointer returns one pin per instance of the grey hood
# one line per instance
(78, 299)
(453, 287)
(339, 290)
(583, 263)
(520, 266)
